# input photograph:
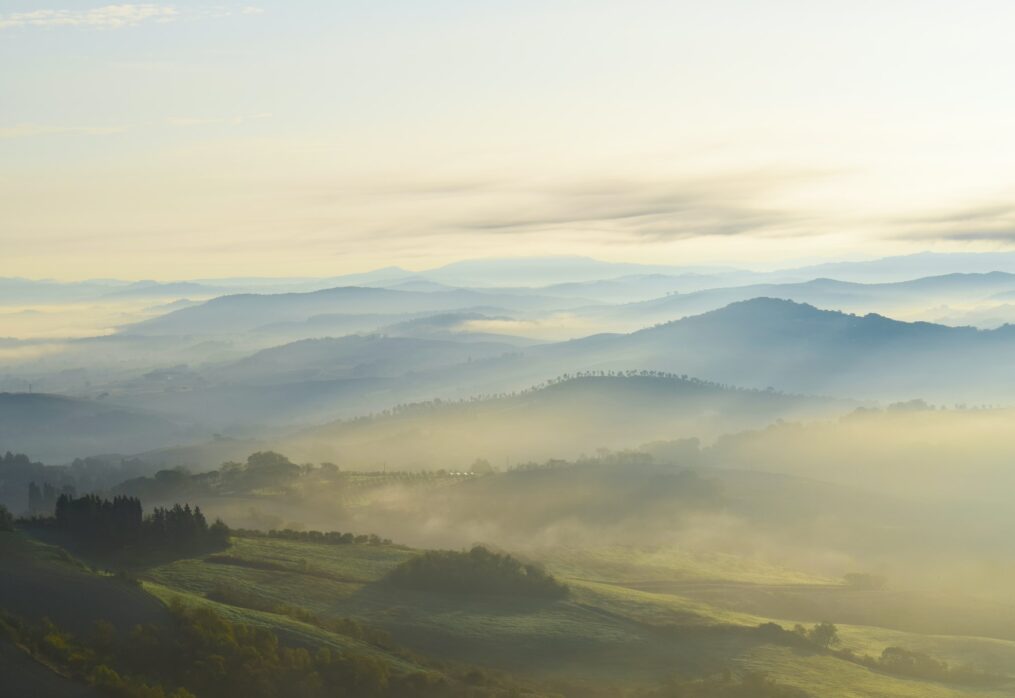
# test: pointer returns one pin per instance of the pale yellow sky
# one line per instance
(183, 140)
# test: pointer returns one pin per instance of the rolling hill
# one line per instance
(795, 347)
(246, 312)
(917, 298)
(560, 420)
(56, 429)
(761, 343)
(353, 356)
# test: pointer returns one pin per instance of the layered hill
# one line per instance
(56, 429)
(799, 348)
(245, 312)
(563, 419)
(914, 298)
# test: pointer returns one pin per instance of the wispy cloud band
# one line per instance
(116, 16)
(992, 222)
(105, 17)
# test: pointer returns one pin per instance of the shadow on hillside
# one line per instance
(546, 637)
(129, 560)
(37, 581)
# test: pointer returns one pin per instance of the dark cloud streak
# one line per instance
(994, 222)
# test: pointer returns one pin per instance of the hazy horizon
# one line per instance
(528, 349)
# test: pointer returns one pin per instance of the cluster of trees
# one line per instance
(13, 460)
(203, 654)
(917, 665)
(824, 634)
(120, 521)
(274, 473)
(17, 471)
(181, 527)
(478, 571)
(6, 519)
(322, 537)
(264, 471)
(626, 458)
(103, 522)
(893, 660)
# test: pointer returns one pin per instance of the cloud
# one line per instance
(105, 17)
(116, 16)
(992, 222)
(29, 130)
(649, 210)
(1005, 235)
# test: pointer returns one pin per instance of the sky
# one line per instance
(190, 139)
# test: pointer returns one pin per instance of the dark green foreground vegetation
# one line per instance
(272, 622)
(197, 649)
(203, 654)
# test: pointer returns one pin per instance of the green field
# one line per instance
(621, 625)
(606, 630)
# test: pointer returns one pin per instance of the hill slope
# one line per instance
(921, 298)
(562, 419)
(769, 342)
(353, 356)
(54, 428)
(245, 312)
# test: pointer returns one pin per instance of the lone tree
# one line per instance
(824, 635)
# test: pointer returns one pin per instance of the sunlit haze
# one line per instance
(507, 349)
(189, 140)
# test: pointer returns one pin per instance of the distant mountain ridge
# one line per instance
(354, 356)
(761, 343)
(797, 347)
(246, 312)
(831, 294)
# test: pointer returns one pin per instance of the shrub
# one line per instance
(478, 571)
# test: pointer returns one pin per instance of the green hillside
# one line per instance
(605, 630)
(626, 622)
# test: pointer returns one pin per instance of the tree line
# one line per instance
(119, 522)
(898, 661)
(320, 537)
